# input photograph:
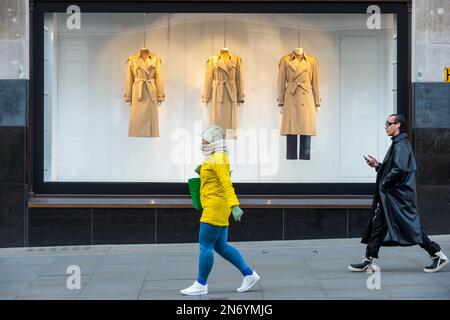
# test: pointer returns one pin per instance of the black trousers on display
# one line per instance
(292, 147)
(379, 229)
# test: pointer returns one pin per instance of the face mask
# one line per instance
(210, 148)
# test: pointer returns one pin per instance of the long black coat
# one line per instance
(395, 194)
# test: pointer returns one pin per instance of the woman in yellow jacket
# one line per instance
(218, 201)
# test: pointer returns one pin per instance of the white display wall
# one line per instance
(86, 120)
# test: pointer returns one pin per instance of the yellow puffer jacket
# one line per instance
(216, 191)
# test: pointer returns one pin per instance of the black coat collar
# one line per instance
(399, 137)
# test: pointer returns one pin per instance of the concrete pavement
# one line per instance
(292, 270)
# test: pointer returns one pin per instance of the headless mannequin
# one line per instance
(292, 140)
(298, 55)
(225, 52)
(298, 52)
(144, 54)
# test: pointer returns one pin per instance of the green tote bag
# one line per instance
(194, 189)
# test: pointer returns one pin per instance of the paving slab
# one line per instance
(290, 270)
(417, 292)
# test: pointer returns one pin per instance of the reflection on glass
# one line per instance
(87, 118)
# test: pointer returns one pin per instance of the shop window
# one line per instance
(335, 78)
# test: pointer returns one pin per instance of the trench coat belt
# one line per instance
(150, 84)
(227, 85)
(292, 87)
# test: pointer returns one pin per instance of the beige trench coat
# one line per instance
(224, 88)
(144, 89)
(298, 92)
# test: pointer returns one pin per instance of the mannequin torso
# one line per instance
(224, 53)
(299, 52)
(144, 53)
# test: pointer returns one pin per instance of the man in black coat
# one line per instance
(394, 220)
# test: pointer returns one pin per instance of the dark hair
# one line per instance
(399, 118)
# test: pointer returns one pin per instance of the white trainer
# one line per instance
(248, 282)
(439, 261)
(196, 289)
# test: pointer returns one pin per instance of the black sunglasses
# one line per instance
(387, 124)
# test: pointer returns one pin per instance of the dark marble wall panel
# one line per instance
(177, 225)
(257, 225)
(432, 150)
(433, 207)
(431, 105)
(12, 154)
(315, 223)
(13, 102)
(123, 226)
(357, 222)
(13, 190)
(59, 227)
(12, 215)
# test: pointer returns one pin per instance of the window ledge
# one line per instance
(332, 202)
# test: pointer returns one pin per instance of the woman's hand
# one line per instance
(237, 213)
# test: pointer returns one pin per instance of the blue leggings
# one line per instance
(213, 237)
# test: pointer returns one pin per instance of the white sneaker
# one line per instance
(196, 289)
(248, 282)
(439, 261)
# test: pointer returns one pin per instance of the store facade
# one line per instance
(120, 92)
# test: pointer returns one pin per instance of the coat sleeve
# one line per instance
(281, 82)
(207, 86)
(316, 84)
(222, 169)
(159, 81)
(129, 79)
(240, 81)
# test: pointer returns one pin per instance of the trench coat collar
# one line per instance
(145, 64)
(399, 137)
(225, 64)
(298, 67)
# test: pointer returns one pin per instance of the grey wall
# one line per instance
(14, 39)
(431, 106)
(14, 75)
(430, 40)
